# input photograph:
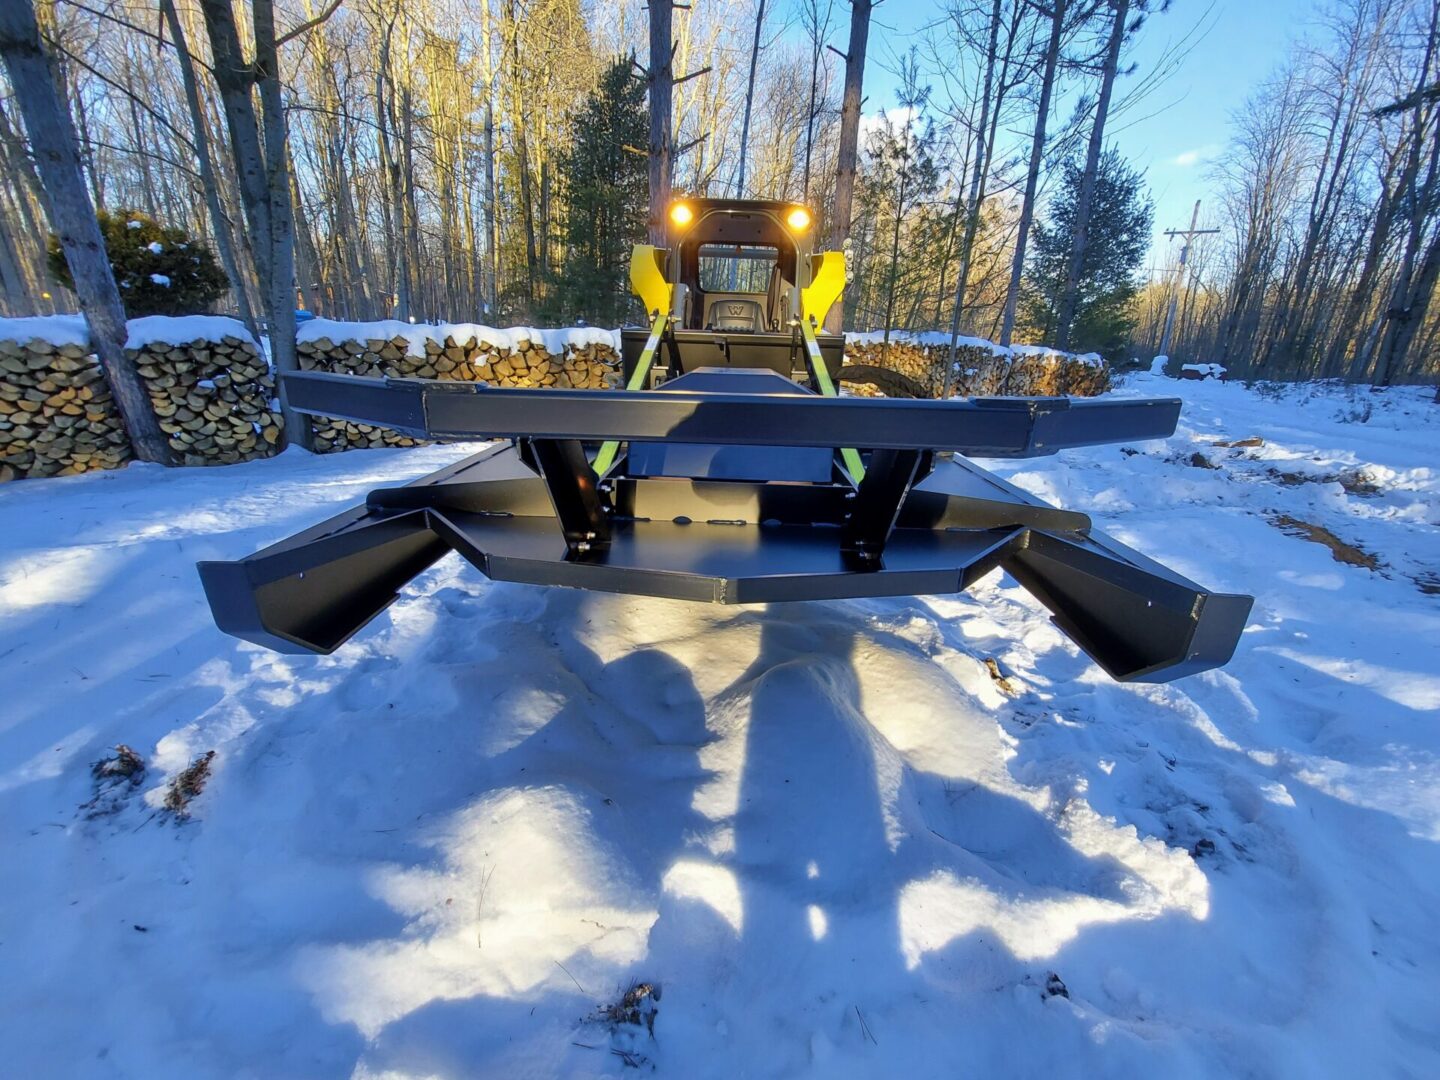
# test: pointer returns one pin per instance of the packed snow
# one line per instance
(151, 329)
(809, 840)
(55, 329)
(417, 334)
(183, 329)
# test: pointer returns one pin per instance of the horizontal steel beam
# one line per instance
(979, 427)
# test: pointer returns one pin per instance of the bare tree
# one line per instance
(849, 138)
(219, 222)
(56, 150)
(1416, 275)
(817, 26)
(749, 98)
(1037, 154)
(660, 77)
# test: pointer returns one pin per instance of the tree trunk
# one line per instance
(895, 250)
(234, 78)
(219, 223)
(816, 48)
(846, 161)
(1069, 299)
(280, 296)
(1032, 177)
(977, 196)
(749, 99)
(661, 79)
(492, 225)
(57, 154)
(1407, 299)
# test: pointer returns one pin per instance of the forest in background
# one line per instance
(491, 161)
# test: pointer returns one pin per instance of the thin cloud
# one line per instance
(1195, 157)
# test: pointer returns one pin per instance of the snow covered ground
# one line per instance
(837, 843)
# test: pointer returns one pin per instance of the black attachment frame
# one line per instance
(876, 505)
(574, 493)
(979, 427)
(920, 522)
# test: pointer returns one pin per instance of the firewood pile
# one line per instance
(212, 398)
(213, 395)
(983, 371)
(57, 417)
(473, 358)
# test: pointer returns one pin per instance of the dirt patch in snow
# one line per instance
(1359, 482)
(1340, 551)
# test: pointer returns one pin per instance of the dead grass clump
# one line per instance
(190, 783)
(637, 1007)
(1359, 483)
(1293, 479)
(1340, 551)
(1253, 440)
(114, 778)
(1004, 685)
(126, 765)
(1200, 461)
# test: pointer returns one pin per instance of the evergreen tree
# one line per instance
(1121, 216)
(604, 179)
(899, 179)
(159, 270)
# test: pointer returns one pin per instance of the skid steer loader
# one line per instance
(729, 470)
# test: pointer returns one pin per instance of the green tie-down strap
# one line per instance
(638, 379)
(827, 389)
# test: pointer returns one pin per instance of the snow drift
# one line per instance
(896, 837)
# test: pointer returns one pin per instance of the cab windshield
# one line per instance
(737, 268)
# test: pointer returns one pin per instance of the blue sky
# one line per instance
(1181, 126)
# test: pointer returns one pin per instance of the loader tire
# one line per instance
(890, 383)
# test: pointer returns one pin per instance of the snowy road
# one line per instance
(835, 840)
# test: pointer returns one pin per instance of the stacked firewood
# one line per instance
(983, 370)
(528, 364)
(57, 417)
(214, 399)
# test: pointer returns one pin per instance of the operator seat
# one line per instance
(742, 316)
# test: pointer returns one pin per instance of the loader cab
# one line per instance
(737, 267)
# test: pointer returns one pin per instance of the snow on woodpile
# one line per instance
(54, 329)
(982, 368)
(184, 330)
(210, 388)
(581, 357)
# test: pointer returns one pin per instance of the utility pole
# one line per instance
(1188, 234)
